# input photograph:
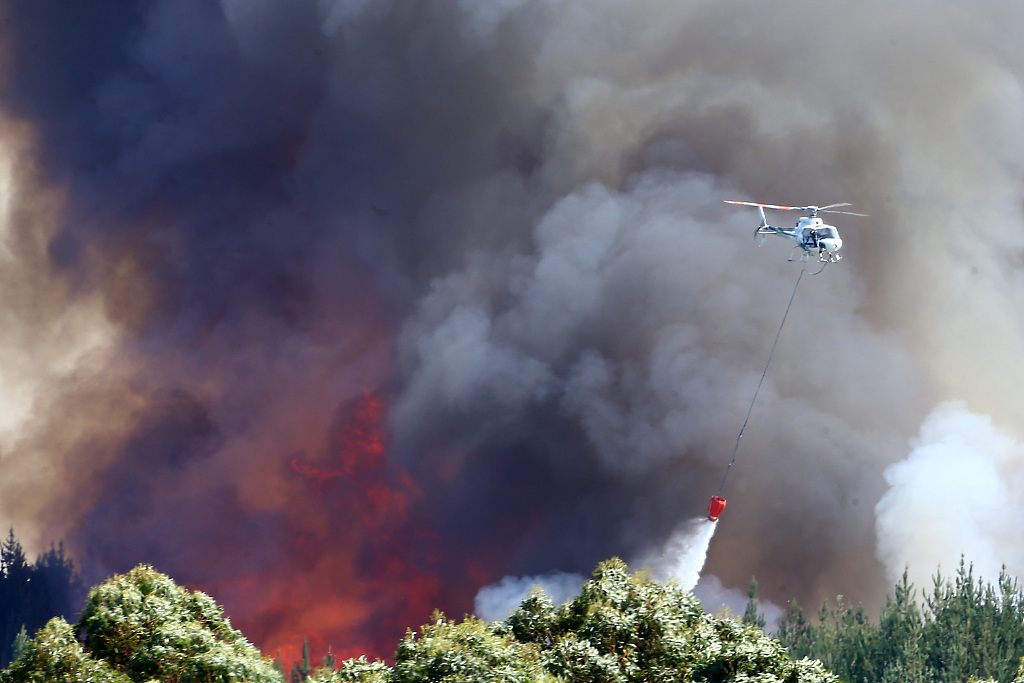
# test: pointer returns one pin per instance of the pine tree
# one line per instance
(13, 562)
(751, 615)
(279, 665)
(300, 671)
(19, 644)
(330, 661)
(967, 630)
(31, 594)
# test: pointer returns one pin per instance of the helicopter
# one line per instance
(810, 234)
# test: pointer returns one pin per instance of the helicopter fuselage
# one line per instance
(812, 235)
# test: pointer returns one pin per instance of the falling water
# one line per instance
(683, 556)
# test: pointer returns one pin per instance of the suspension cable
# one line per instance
(763, 373)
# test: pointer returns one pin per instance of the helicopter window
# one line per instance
(827, 232)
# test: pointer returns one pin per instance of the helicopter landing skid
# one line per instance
(804, 255)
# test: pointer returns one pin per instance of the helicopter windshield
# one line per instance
(826, 232)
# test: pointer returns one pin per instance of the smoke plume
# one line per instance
(343, 310)
(960, 493)
(497, 601)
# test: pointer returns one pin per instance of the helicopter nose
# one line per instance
(831, 243)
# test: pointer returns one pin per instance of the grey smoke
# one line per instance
(508, 217)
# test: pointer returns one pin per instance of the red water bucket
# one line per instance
(715, 508)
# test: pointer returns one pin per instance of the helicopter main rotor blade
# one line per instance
(813, 209)
(847, 213)
(767, 206)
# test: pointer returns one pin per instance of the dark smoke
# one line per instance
(242, 238)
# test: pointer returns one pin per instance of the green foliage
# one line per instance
(622, 628)
(968, 630)
(751, 615)
(470, 651)
(625, 628)
(33, 593)
(144, 624)
(139, 627)
(329, 660)
(356, 671)
(300, 670)
(326, 667)
(303, 671)
(143, 627)
(56, 655)
(279, 665)
(20, 643)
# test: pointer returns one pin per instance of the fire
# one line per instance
(359, 568)
(362, 440)
(361, 447)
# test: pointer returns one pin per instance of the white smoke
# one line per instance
(681, 559)
(54, 341)
(960, 492)
(716, 598)
(498, 600)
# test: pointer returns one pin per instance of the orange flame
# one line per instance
(360, 567)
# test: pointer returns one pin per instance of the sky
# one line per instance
(345, 310)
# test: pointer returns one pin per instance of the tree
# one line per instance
(20, 643)
(470, 651)
(359, 671)
(141, 626)
(967, 630)
(56, 655)
(300, 670)
(900, 645)
(58, 590)
(145, 625)
(974, 629)
(328, 663)
(31, 594)
(751, 614)
(623, 628)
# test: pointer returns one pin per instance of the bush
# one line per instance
(142, 626)
(56, 655)
(622, 628)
